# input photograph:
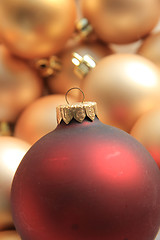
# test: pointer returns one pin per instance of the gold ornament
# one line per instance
(9, 235)
(19, 85)
(65, 79)
(147, 131)
(36, 29)
(121, 21)
(12, 151)
(39, 118)
(125, 86)
(150, 48)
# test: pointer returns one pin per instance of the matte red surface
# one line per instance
(87, 181)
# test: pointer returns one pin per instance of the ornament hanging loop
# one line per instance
(66, 95)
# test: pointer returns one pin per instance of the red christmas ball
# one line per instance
(87, 181)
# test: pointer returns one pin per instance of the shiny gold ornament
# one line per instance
(9, 235)
(12, 151)
(19, 85)
(151, 48)
(65, 79)
(121, 21)
(147, 131)
(39, 118)
(35, 29)
(125, 86)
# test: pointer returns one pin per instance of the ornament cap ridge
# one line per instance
(78, 111)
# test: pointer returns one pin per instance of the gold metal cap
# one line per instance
(83, 28)
(48, 67)
(78, 111)
(82, 64)
(5, 129)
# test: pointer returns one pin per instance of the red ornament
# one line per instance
(86, 181)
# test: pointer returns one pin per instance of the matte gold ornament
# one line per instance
(65, 79)
(39, 118)
(151, 48)
(9, 235)
(12, 151)
(19, 85)
(147, 131)
(121, 21)
(125, 86)
(32, 29)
